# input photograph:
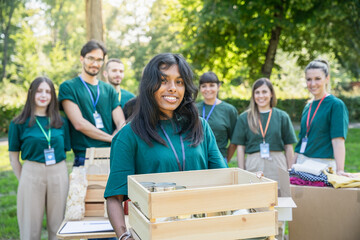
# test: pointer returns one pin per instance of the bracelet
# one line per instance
(126, 234)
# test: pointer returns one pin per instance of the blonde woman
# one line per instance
(264, 133)
(324, 122)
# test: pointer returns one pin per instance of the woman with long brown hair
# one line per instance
(42, 137)
(264, 133)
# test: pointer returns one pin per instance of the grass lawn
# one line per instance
(8, 184)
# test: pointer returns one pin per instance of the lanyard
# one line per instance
(120, 96)
(211, 110)
(46, 136)
(92, 99)
(267, 125)
(173, 149)
(308, 116)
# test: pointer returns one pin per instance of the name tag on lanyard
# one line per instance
(304, 142)
(265, 147)
(98, 120)
(49, 156)
(265, 151)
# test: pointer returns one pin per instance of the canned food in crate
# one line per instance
(164, 186)
(148, 185)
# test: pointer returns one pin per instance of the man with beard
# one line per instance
(91, 105)
(114, 73)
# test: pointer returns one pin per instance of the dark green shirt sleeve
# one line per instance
(287, 130)
(239, 134)
(66, 93)
(66, 134)
(339, 121)
(14, 137)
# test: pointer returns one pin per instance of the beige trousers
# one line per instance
(269, 167)
(41, 188)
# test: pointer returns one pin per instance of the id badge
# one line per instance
(98, 120)
(303, 145)
(49, 156)
(264, 150)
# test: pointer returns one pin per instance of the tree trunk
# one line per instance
(271, 52)
(94, 22)
(6, 41)
(273, 44)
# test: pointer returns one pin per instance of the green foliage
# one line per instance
(7, 113)
(231, 38)
(25, 65)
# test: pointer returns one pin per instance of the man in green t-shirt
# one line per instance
(114, 74)
(91, 105)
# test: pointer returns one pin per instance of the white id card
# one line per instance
(303, 144)
(49, 156)
(264, 150)
(98, 120)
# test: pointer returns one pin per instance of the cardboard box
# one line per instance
(285, 202)
(207, 191)
(325, 213)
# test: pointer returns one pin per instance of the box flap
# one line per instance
(287, 202)
(284, 183)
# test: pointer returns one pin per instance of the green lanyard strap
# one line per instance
(46, 136)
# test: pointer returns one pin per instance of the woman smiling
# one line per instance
(324, 122)
(165, 133)
(220, 115)
(264, 132)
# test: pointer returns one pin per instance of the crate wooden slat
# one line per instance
(207, 191)
(223, 227)
(94, 209)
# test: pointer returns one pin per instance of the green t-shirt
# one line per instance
(75, 91)
(222, 122)
(131, 155)
(280, 132)
(31, 142)
(125, 97)
(331, 121)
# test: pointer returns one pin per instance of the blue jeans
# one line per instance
(79, 161)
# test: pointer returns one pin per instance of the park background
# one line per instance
(240, 40)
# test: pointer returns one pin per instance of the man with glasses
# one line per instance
(91, 105)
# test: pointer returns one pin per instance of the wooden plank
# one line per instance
(97, 177)
(97, 152)
(138, 222)
(95, 195)
(249, 177)
(94, 209)
(192, 179)
(223, 227)
(213, 199)
(139, 195)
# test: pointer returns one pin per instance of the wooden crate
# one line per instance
(97, 160)
(94, 200)
(207, 191)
